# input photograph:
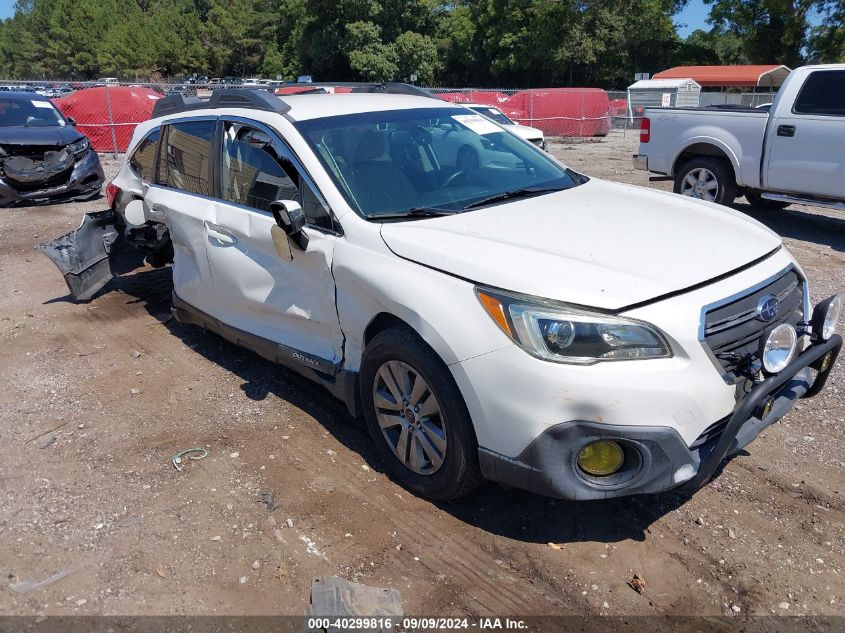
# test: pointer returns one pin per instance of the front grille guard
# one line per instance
(811, 357)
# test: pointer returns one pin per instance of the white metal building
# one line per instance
(666, 93)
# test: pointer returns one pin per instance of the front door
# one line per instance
(287, 300)
(807, 145)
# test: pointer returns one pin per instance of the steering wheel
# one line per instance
(454, 177)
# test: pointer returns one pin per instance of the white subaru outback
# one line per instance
(501, 317)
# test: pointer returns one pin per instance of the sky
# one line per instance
(694, 16)
(7, 8)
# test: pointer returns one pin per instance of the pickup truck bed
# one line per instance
(788, 153)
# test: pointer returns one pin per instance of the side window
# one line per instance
(254, 175)
(143, 159)
(822, 93)
(187, 157)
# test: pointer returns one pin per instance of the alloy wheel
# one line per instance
(700, 183)
(410, 417)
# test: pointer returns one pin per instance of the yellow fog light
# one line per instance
(601, 458)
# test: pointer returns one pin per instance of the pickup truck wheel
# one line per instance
(417, 418)
(705, 178)
(756, 200)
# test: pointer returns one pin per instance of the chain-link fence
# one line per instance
(575, 113)
(108, 112)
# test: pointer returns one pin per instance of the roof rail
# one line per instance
(225, 98)
(389, 87)
(258, 99)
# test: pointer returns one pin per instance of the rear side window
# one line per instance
(187, 157)
(822, 93)
(143, 159)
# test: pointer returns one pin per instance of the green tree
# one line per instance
(273, 64)
(20, 57)
(324, 50)
(712, 47)
(416, 54)
(826, 42)
(772, 31)
(237, 33)
(455, 36)
(292, 19)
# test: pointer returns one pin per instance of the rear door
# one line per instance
(806, 141)
(290, 301)
(180, 198)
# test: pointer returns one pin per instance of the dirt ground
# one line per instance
(95, 399)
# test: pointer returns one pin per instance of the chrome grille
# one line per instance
(732, 331)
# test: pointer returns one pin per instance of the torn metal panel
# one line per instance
(332, 596)
(90, 256)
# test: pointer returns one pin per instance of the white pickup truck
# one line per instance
(792, 152)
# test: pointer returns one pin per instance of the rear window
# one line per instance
(822, 93)
(187, 157)
(143, 159)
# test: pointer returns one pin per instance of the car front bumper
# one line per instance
(657, 457)
(86, 179)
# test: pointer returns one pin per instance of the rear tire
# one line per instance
(756, 200)
(417, 418)
(707, 178)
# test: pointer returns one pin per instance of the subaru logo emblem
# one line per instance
(767, 308)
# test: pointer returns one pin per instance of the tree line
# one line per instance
(506, 43)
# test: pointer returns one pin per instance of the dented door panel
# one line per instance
(288, 302)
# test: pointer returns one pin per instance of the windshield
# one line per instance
(28, 113)
(494, 114)
(450, 160)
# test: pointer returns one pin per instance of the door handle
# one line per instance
(786, 130)
(224, 237)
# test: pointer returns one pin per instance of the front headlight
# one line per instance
(79, 147)
(565, 334)
(825, 316)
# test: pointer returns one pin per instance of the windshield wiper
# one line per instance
(416, 212)
(510, 195)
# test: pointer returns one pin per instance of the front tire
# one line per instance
(707, 178)
(417, 418)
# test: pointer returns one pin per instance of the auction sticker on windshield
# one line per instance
(477, 123)
(42, 104)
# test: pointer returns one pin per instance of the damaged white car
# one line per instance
(505, 319)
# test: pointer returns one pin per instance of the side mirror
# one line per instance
(72, 121)
(290, 218)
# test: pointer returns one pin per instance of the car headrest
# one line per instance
(371, 146)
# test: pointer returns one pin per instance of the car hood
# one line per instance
(528, 133)
(600, 244)
(54, 135)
